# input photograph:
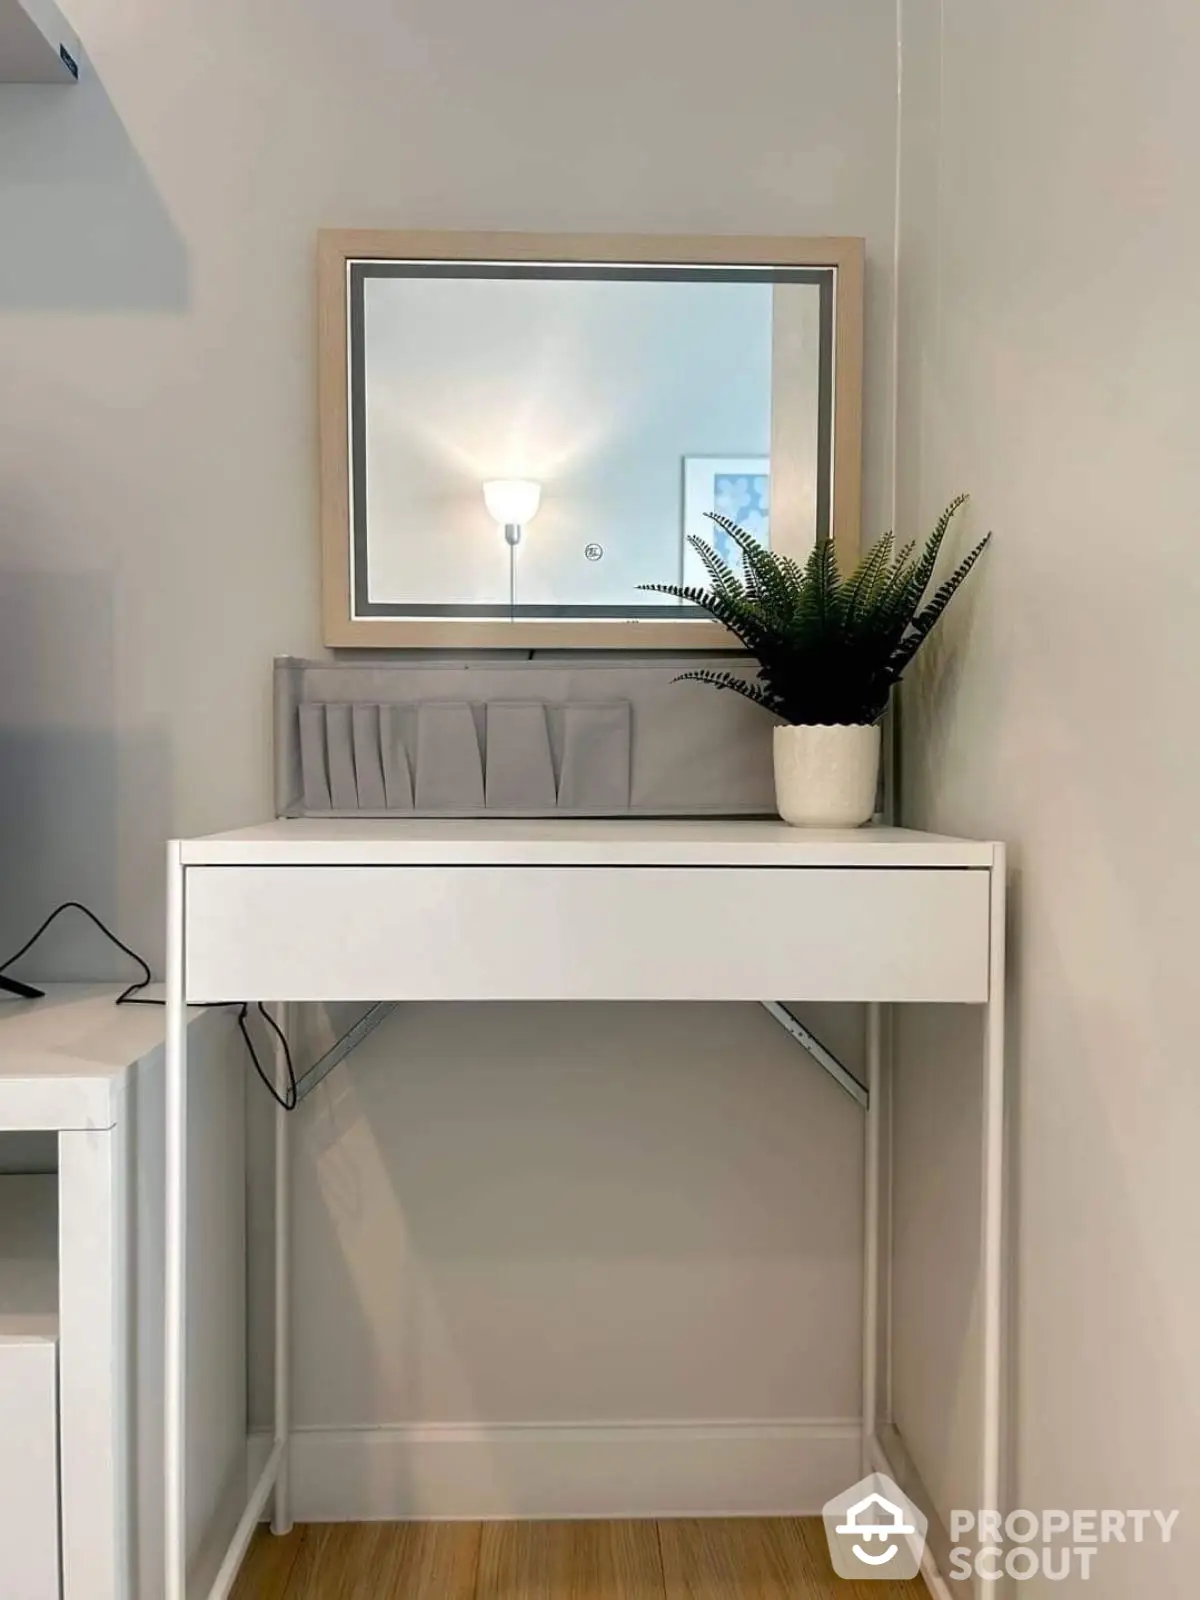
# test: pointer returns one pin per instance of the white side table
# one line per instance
(92, 1073)
(365, 910)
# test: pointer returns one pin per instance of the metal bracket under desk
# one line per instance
(338, 1051)
(824, 1058)
(371, 1019)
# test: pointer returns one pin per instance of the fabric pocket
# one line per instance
(449, 762)
(397, 769)
(596, 757)
(314, 768)
(368, 758)
(520, 772)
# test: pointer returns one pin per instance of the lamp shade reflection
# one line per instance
(512, 502)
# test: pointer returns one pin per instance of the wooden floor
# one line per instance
(743, 1559)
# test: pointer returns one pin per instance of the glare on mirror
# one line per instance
(536, 441)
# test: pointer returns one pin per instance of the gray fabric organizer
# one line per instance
(536, 738)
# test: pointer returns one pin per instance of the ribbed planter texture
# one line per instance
(827, 777)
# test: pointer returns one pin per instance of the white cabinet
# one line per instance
(81, 1305)
(29, 1567)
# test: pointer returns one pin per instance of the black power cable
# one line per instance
(128, 997)
(290, 1098)
(132, 996)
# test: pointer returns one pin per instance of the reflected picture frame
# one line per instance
(338, 251)
(737, 487)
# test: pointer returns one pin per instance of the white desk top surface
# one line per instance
(64, 1060)
(720, 842)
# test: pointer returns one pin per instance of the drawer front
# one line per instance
(580, 933)
(28, 1469)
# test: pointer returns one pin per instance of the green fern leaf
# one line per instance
(724, 580)
(763, 576)
(829, 650)
(746, 687)
(864, 585)
(923, 624)
(739, 615)
(924, 569)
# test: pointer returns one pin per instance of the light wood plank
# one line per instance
(697, 1559)
(387, 1561)
(570, 1561)
(812, 1534)
(268, 1566)
(733, 1559)
(776, 1558)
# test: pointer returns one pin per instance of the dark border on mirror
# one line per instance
(358, 271)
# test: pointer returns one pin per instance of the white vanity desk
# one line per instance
(559, 910)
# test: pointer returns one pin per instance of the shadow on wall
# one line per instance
(83, 226)
(536, 1212)
(77, 796)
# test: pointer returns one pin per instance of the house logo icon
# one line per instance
(888, 1524)
(875, 1531)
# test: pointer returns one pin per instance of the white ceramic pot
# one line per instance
(827, 777)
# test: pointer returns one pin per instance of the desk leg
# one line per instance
(993, 1212)
(175, 1358)
(281, 1520)
(872, 1167)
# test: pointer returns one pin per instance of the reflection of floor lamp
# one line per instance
(512, 503)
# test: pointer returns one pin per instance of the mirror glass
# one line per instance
(607, 407)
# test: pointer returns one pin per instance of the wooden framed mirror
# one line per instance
(517, 430)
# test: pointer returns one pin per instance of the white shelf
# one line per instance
(36, 44)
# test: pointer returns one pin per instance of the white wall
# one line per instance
(158, 542)
(157, 465)
(641, 1217)
(1049, 322)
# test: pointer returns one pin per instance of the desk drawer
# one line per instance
(586, 933)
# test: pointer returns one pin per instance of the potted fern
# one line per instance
(829, 650)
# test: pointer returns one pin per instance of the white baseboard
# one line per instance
(662, 1469)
